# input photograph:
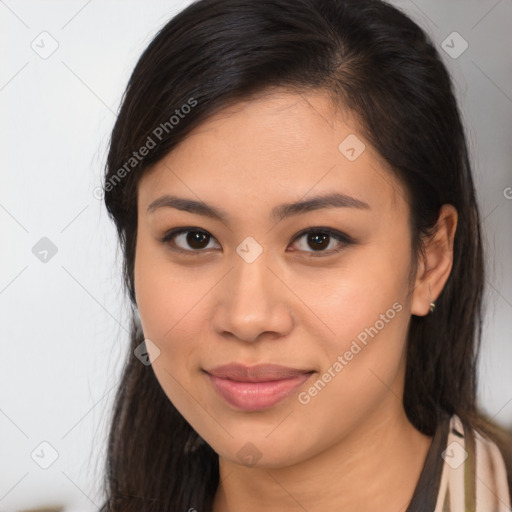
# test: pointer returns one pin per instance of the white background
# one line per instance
(64, 323)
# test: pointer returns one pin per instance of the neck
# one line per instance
(381, 458)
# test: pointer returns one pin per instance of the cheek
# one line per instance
(169, 302)
(366, 307)
(172, 309)
(365, 296)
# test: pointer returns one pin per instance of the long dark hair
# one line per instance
(368, 56)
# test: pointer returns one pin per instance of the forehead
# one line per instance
(280, 145)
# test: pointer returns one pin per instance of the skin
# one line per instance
(351, 445)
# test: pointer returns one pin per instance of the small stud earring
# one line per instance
(432, 307)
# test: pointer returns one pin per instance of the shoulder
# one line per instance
(474, 476)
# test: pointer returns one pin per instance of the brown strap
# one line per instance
(426, 491)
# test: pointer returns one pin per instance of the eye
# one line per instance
(195, 241)
(320, 239)
(190, 240)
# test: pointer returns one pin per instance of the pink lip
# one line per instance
(257, 387)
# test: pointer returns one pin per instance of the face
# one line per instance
(275, 234)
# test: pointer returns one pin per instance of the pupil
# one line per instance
(196, 238)
(319, 240)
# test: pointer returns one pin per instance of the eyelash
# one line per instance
(344, 240)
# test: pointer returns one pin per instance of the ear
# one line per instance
(435, 265)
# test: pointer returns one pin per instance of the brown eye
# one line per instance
(323, 241)
(188, 240)
(312, 241)
(318, 241)
(197, 239)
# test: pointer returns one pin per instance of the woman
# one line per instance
(291, 187)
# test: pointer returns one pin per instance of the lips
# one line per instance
(259, 373)
(254, 388)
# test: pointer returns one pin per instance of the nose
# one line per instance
(253, 302)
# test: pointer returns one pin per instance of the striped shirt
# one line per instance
(463, 472)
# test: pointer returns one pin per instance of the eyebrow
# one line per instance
(279, 212)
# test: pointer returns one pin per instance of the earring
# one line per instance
(432, 306)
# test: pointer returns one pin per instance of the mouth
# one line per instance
(255, 388)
